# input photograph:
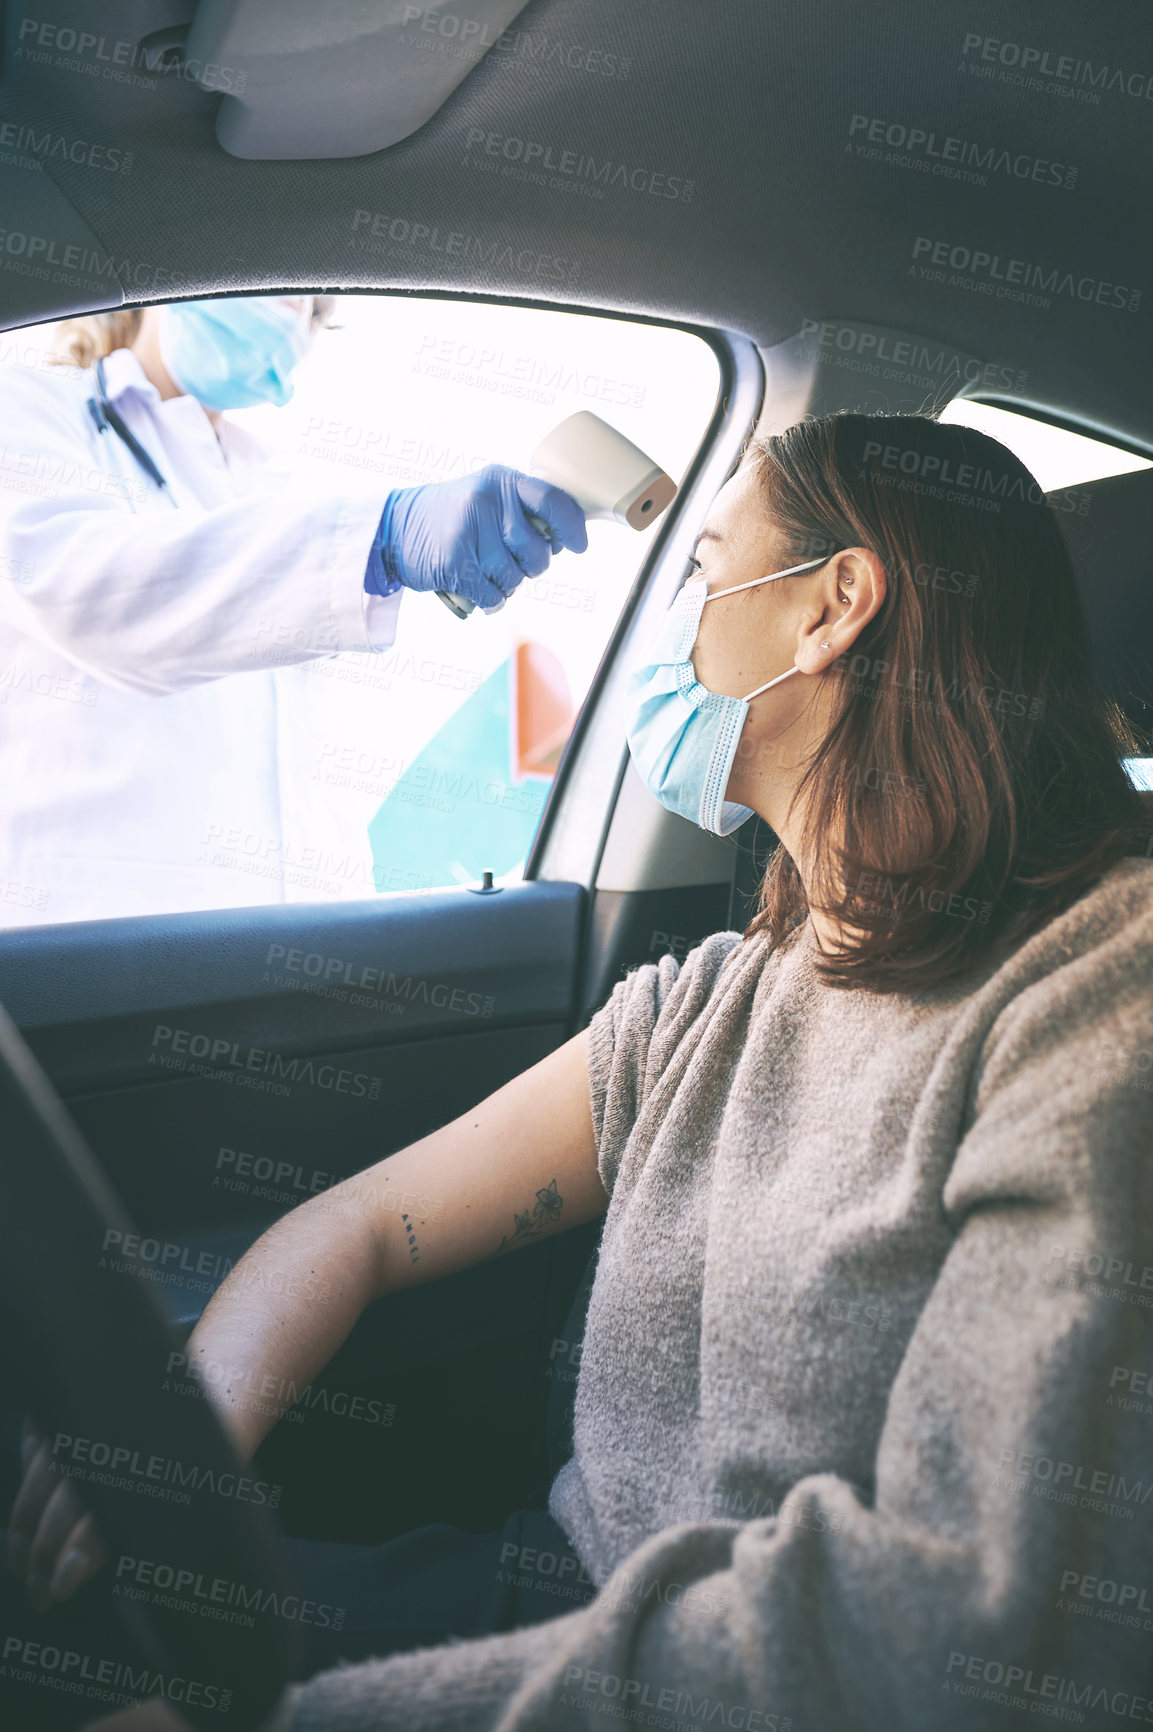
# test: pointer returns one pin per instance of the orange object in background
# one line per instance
(545, 712)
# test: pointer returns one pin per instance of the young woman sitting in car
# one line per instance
(844, 1382)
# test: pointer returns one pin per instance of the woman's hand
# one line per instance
(52, 1541)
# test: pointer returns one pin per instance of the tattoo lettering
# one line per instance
(546, 1209)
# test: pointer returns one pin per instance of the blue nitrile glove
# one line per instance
(471, 536)
(376, 579)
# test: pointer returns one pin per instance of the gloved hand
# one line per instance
(471, 536)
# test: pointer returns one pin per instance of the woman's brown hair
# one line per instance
(972, 775)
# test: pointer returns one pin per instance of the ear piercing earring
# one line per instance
(826, 644)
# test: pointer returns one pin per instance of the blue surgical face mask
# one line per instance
(683, 738)
(233, 354)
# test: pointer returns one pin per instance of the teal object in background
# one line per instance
(460, 808)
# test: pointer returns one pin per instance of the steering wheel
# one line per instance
(91, 1353)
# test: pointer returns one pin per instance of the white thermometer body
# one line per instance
(611, 479)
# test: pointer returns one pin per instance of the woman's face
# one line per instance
(745, 639)
(806, 621)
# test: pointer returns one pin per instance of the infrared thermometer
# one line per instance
(611, 479)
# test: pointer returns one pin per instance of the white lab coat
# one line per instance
(154, 745)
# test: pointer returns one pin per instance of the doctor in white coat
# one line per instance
(154, 582)
(153, 586)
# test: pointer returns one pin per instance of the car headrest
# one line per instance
(1108, 525)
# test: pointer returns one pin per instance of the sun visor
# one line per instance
(338, 79)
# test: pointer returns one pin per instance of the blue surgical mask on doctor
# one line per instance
(234, 354)
(683, 738)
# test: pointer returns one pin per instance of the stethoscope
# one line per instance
(108, 419)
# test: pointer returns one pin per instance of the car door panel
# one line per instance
(218, 1090)
(468, 991)
(313, 978)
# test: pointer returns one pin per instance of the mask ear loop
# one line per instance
(770, 684)
(809, 565)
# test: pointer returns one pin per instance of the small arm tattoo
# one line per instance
(546, 1209)
(413, 1248)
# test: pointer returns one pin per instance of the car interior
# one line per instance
(770, 178)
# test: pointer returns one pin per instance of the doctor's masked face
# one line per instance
(234, 354)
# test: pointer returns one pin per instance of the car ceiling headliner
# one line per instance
(751, 100)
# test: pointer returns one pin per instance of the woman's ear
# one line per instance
(850, 590)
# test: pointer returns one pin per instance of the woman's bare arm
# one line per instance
(515, 1168)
